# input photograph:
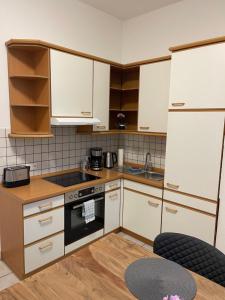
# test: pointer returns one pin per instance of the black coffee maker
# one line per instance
(96, 163)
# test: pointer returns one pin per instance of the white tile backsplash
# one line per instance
(67, 148)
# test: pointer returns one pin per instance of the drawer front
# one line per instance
(43, 252)
(112, 185)
(112, 210)
(43, 225)
(40, 206)
(186, 221)
(143, 188)
(196, 203)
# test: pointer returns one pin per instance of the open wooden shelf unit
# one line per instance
(29, 90)
(124, 92)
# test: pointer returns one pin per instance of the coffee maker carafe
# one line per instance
(96, 159)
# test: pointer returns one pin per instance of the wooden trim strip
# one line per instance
(44, 211)
(191, 195)
(197, 110)
(141, 193)
(198, 44)
(189, 207)
(43, 239)
(137, 236)
(40, 43)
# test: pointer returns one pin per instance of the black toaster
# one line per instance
(16, 176)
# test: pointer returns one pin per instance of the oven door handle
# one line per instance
(80, 205)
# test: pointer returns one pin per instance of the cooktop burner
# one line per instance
(72, 178)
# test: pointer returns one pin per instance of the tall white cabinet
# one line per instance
(101, 95)
(193, 153)
(198, 78)
(154, 97)
(71, 85)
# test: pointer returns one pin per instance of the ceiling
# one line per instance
(126, 9)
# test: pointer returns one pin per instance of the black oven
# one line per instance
(76, 227)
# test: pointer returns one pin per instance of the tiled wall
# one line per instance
(66, 149)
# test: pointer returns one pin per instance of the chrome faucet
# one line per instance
(148, 162)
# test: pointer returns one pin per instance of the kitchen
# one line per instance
(122, 103)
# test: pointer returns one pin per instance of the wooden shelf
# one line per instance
(29, 90)
(131, 132)
(124, 89)
(15, 135)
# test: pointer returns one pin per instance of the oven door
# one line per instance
(75, 225)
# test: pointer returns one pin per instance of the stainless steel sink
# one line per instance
(151, 175)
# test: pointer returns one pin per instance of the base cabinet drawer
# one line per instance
(142, 214)
(187, 221)
(43, 225)
(112, 185)
(112, 210)
(43, 252)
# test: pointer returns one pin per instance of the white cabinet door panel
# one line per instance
(198, 78)
(183, 220)
(142, 214)
(71, 85)
(101, 95)
(154, 97)
(193, 153)
(112, 210)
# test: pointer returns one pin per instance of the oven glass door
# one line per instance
(75, 225)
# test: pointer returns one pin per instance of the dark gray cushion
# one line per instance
(193, 254)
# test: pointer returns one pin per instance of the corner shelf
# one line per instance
(29, 90)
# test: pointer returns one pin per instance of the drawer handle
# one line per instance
(46, 220)
(113, 197)
(178, 104)
(153, 204)
(46, 247)
(45, 206)
(101, 126)
(113, 186)
(171, 210)
(172, 186)
(144, 127)
(86, 113)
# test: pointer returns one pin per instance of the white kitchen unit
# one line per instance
(193, 153)
(71, 85)
(176, 218)
(154, 97)
(101, 95)
(220, 239)
(112, 210)
(141, 213)
(198, 78)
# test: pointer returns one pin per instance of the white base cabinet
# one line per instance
(187, 221)
(142, 214)
(112, 211)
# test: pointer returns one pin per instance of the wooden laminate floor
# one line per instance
(94, 272)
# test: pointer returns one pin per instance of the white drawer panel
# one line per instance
(112, 185)
(44, 252)
(190, 201)
(143, 188)
(43, 225)
(40, 206)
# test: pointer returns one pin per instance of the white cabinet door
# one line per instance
(154, 97)
(71, 85)
(141, 214)
(193, 152)
(198, 78)
(187, 221)
(112, 210)
(101, 95)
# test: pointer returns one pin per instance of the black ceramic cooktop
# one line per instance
(72, 178)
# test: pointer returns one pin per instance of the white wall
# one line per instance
(67, 23)
(151, 35)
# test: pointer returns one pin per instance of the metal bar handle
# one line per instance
(144, 127)
(46, 246)
(101, 126)
(153, 204)
(80, 205)
(171, 210)
(178, 103)
(46, 220)
(172, 186)
(45, 206)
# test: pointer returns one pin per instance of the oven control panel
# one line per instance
(87, 192)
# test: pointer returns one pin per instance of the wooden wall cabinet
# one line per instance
(193, 153)
(198, 78)
(29, 90)
(154, 97)
(101, 95)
